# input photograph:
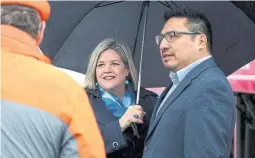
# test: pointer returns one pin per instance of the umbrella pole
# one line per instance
(133, 125)
(146, 3)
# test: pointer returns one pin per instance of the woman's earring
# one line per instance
(96, 84)
(126, 82)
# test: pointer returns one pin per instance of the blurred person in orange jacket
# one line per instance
(45, 113)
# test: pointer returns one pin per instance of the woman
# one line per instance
(111, 84)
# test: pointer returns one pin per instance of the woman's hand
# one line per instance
(133, 114)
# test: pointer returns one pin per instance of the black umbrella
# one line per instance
(75, 28)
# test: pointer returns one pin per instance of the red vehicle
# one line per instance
(243, 80)
(243, 84)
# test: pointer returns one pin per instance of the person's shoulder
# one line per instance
(67, 90)
(55, 80)
(61, 78)
(215, 75)
(213, 79)
(89, 90)
(92, 92)
(43, 86)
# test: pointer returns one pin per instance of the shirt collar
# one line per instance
(178, 76)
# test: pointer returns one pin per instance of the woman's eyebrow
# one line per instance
(110, 61)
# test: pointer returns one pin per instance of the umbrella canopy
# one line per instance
(75, 28)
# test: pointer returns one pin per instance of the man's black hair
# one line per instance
(196, 21)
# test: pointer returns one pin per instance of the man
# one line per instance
(45, 114)
(195, 115)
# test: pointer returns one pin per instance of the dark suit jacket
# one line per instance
(122, 144)
(197, 120)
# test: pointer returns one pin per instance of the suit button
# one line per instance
(115, 145)
(145, 148)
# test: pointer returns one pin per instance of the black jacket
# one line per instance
(122, 144)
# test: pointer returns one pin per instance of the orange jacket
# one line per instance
(45, 113)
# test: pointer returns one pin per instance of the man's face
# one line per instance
(182, 49)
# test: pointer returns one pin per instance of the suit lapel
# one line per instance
(161, 97)
(179, 89)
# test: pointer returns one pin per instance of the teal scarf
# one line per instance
(115, 104)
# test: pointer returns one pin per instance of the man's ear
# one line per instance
(39, 37)
(202, 41)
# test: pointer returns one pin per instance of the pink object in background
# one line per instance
(243, 80)
(157, 90)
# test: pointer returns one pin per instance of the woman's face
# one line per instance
(111, 71)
